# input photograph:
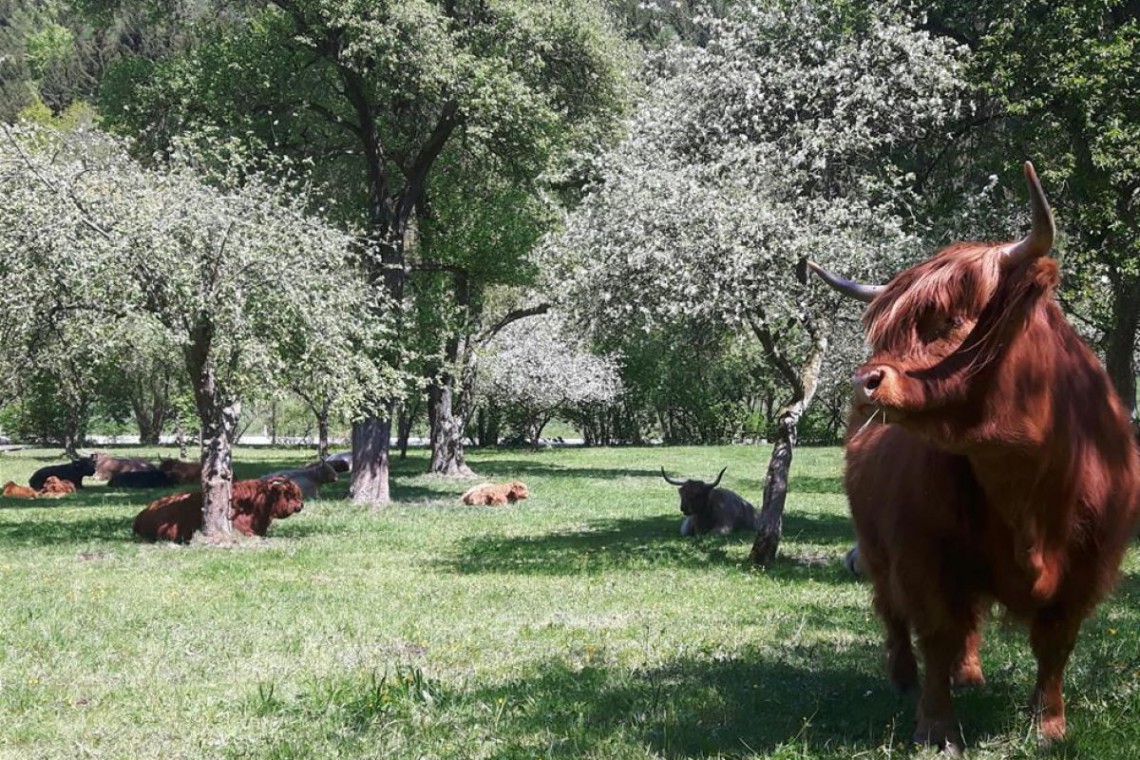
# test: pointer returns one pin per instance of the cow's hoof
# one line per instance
(942, 734)
(1050, 730)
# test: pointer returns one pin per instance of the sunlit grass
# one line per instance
(576, 624)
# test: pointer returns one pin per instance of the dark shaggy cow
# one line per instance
(73, 471)
(141, 479)
(988, 458)
(709, 509)
(106, 465)
(341, 462)
(495, 494)
(256, 503)
(309, 479)
(181, 472)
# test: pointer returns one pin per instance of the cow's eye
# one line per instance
(954, 322)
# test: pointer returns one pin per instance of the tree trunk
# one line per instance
(180, 437)
(371, 441)
(273, 423)
(218, 433)
(1120, 344)
(771, 528)
(323, 432)
(803, 385)
(218, 415)
(404, 429)
(447, 454)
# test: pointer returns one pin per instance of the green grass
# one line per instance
(576, 624)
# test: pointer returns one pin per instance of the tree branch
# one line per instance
(508, 318)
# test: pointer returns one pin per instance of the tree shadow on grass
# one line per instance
(813, 700)
(519, 468)
(643, 542)
(64, 531)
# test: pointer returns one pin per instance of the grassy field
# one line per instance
(576, 624)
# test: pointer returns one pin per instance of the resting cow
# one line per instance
(988, 458)
(181, 472)
(495, 494)
(106, 465)
(55, 488)
(14, 490)
(141, 479)
(709, 509)
(255, 504)
(309, 479)
(341, 462)
(73, 471)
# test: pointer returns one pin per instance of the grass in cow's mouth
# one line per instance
(575, 624)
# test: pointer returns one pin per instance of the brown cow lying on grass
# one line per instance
(256, 503)
(55, 488)
(107, 466)
(16, 491)
(496, 494)
(181, 472)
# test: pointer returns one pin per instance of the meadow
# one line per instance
(575, 624)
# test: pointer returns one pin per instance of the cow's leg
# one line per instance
(969, 669)
(1052, 636)
(941, 651)
(902, 670)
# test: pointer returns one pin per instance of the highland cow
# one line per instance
(709, 509)
(496, 494)
(988, 458)
(255, 504)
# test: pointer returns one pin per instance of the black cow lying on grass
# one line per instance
(141, 479)
(73, 471)
(709, 509)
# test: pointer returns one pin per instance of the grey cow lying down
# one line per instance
(709, 509)
(308, 479)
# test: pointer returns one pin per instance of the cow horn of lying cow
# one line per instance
(670, 480)
(718, 477)
(1040, 238)
(850, 288)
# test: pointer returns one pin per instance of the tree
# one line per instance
(537, 369)
(381, 95)
(228, 270)
(784, 138)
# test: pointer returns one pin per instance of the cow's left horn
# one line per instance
(1040, 238)
(718, 477)
(849, 288)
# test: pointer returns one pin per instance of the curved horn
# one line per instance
(849, 288)
(718, 477)
(670, 480)
(1040, 238)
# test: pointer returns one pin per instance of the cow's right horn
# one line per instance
(1040, 238)
(849, 288)
(670, 480)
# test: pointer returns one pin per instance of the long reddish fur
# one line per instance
(1011, 476)
(256, 503)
